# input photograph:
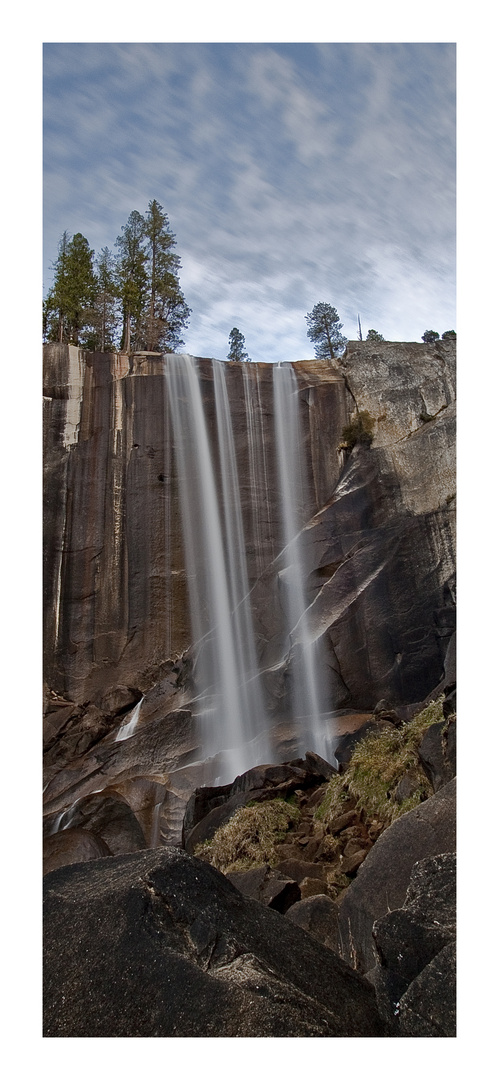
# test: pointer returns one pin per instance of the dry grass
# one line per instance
(250, 837)
(379, 762)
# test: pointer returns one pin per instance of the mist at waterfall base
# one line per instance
(231, 705)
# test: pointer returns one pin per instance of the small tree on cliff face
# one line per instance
(372, 335)
(430, 336)
(236, 346)
(448, 334)
(324, 330)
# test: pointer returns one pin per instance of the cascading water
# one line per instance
(304, 668)
(230, 703)
(127, 729)
(261, 506)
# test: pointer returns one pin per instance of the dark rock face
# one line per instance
(383, 879)
(415, 977)
(428, 1007)
(378, 545)
(157, 944)
(110, 818)
(268, 886)
(209, 808)
(72, 846)
(319, 916)
(437, 753)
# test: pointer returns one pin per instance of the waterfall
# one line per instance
(234, 728)
(261, 509)
(127, 729)
(304, 666)
(230, 702)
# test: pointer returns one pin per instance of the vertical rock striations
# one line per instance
(377, 546)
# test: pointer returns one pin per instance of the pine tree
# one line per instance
(167, 310)
(142, 281)
(372, 335)
(105, 318)
(430, 336)
(324, 330)
(68, 306)
(236, 346)
(82, 286)
(132, 281)
(57, 301)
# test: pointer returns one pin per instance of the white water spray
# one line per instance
(304, 666)
(231, 711)
(127, 729)
(260, 502)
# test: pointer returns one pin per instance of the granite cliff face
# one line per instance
(378, 539)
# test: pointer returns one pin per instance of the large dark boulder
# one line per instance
(415, 977)
(428, 1008)
(437, 753)
(159, 944)
(382, 881)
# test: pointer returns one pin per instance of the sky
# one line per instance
(291, 173)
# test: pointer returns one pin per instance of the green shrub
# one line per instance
(359, 430)
(378, 764)
(250, 837)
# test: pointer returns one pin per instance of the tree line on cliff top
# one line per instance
(132, 301)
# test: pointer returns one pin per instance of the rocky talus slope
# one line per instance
(361, 894)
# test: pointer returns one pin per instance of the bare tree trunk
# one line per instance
(126, 343)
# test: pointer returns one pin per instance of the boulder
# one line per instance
(299, 869)
(160, 944)
(408, 941)
(210, 807)
(347, 743)
(428, 1008)
(318, 767)
(72, 846)
(206, 828)
(312, 886)
(318, 915)
(437, 753)
(383, 878)
(268, 886)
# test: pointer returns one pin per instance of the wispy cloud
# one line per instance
(291, 174)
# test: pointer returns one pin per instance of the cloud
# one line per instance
(290, 174)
